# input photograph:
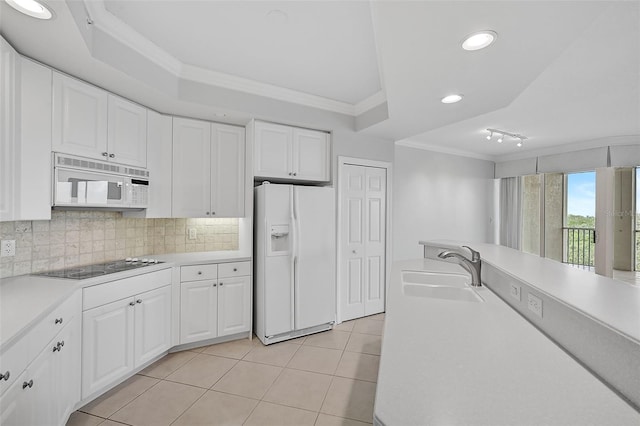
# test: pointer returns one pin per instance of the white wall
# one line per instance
(440, 196)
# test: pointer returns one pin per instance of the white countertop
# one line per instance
(450, 362)
(27, 299)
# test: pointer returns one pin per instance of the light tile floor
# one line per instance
(326, 379)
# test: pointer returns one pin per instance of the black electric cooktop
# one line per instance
(98, 269)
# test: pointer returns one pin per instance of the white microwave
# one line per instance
(84, 183)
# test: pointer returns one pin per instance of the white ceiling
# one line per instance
(560, 72)
(321, 48)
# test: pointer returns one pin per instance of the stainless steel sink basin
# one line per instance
(439, 286)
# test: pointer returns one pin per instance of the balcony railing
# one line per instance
(580, 246)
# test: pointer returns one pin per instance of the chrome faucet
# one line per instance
(472, 265)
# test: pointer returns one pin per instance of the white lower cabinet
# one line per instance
(122, 335)
(214, 302)
(233, 305)
(46, 392)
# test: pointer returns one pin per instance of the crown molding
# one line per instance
(370, 102)
(103, 20)
(436, 148)
(228, 81)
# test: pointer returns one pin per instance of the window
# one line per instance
(580, 219)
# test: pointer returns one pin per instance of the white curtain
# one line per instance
(510, 208)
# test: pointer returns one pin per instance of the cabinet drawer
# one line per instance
(16, 358)
(234, 269)
(198, 272)
(101, 294)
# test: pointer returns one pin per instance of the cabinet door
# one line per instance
(14, 404)
(34, 182)
(107, 344)
(8, 154)
(127, 134)
(234, 305)
(273, 156)
(227, 171)
(311, 155)
(159, 153)
(79, 118)
(198, 310)
(66, 374)
(153, 324)
(191, 168)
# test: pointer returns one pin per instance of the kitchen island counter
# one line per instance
(453, 362)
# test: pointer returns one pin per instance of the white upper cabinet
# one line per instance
(191, 168)
(127, 133)
(227, 170)
(208, 169)
(290, 153)
(79, 118)
(25, 137)
(159, 164)
(89, 122)
(311, 155)
(273, 146)
(8, 59)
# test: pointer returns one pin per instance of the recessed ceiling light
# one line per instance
(31, 8)
(479, 40)
(451, 99)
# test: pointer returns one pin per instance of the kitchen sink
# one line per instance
(439, 279)
(438, 286)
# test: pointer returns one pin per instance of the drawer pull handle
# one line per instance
(215, 285)
(235, 269)
(199, 272)
(58, 320)
(5, 376)
(28, 384)
(105, 154)
(139, 301)
(112, 155)
(221, 284)
(132, 303)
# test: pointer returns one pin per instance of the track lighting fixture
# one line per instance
(502, 134)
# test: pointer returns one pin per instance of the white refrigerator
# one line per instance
(295, 256)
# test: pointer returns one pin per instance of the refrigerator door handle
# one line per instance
(293, 255)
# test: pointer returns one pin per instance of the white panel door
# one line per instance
(273, 145)
(191, 168)
(311, 155)
(234, 305)
(363, 241)
(352, 270)
(79, 118)
(374, 235)
(127, 132)
(107, 344)
(198, 310)
(152, 324)
(227, 171)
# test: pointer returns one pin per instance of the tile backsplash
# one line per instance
(73, 238)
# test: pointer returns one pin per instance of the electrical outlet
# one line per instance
(515, 291)
(8, 248)
(193, 233)
(535, 304)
